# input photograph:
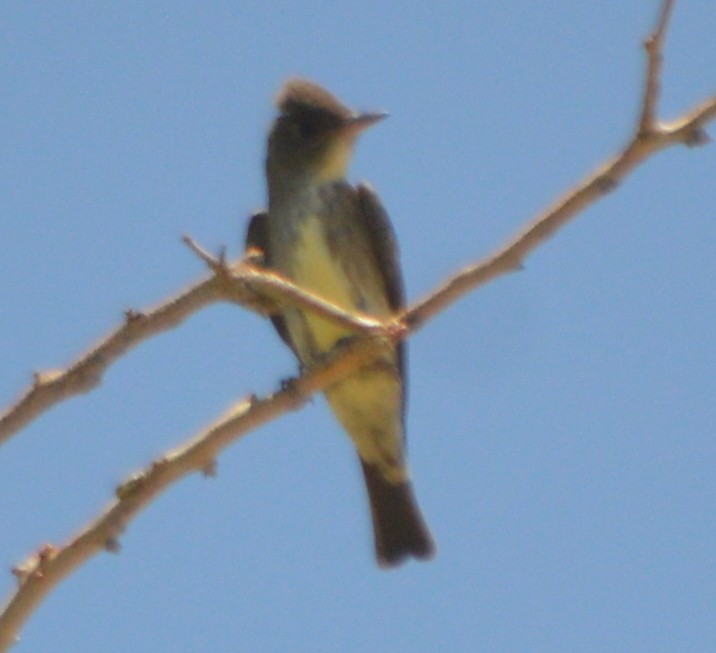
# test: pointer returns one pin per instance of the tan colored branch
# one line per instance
(687, 130)
(654, 46)
(650, 137)
(43, 571)
(84, 374)
(241, 283)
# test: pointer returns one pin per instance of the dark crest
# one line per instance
(308, 103)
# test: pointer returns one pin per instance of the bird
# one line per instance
(336, 240)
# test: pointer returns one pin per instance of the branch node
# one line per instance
(652, 45)
(130, 486)
(34, 566)
(397, 330)
(133, 316)
(40, 379)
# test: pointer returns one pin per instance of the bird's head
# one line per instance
(314, 133)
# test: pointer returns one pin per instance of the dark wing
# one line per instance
(257, 233)
(257, 237)
(385, 246)
(383, 243)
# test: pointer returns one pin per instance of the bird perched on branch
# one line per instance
(335, 240)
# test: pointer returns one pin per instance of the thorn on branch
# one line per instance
(697, 137)
(288, 384)
(112, 545)
(209, 470)
(607, 184)
(291, 388)
(133, 316)
(20, 572)
(652, 45)
(222, 257)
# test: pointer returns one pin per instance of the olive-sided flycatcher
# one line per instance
(335, 239)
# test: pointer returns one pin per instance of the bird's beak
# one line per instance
(356, 123)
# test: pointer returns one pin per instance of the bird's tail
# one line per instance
(398, 526)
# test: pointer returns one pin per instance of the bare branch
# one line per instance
(654, 46)
(510, 256)
(689, 129)
(285, 292)
(650, 138)
(85, 373)
(44, 570)
(278, 290)
(241, 283)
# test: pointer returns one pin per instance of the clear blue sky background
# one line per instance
(562, 423)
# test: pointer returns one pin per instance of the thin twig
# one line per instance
(281, 291)
(284, 292)
(216, 265)
(654, 46)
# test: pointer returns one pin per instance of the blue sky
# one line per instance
(562, 420)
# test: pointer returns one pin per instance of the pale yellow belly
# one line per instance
(368, 403)
(345, 282)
